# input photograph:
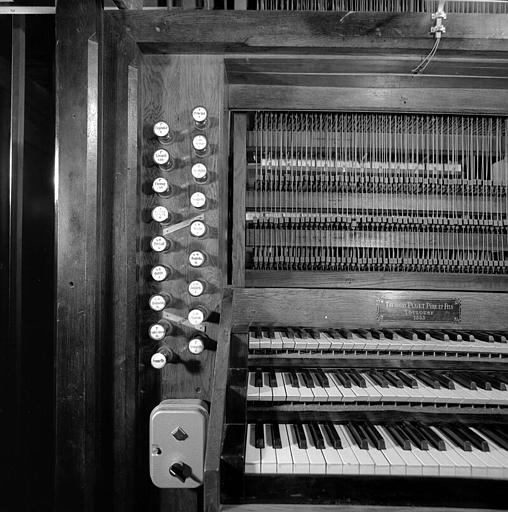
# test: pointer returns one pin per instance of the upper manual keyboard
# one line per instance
(295, 339)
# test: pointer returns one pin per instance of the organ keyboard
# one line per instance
(363, 448)
(339, 405)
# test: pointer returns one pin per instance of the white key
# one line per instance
(381, 463)
(284, 458)
(468, 396)
(252, 454)
(300, 343)
(462, 467)
(312, 343)
(331, 455)
(373, 392)
(350, 464)
(292, 393)
(347, 394)
(268, 457)
(365, 460)
(306, 394)
(429, 465)
(324, 342)
(252, 390)
(320, 394)
(276, 341)
(265, 391)
(279, 393)
(334, 394)
(413, 465)
(287, 341)
(299, 456)
(336, 343)
(317, 463)
(358, 342)
(265, 342)
(397, 465)
(499, 455)
(253, 341)
(386, 394)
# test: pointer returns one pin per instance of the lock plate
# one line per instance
(178, 436)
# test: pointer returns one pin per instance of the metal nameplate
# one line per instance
(418, 310)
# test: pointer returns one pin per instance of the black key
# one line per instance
(258, 333)
(392, 379)
(258, 378)
(363, 333)
(307, 379)
(270, 332)
(467, 336)
(499, 337)
(343, 379)
(473, 438)
(494, 435)
(259, 436)
(300, 436)
(496, 383)
(374, 436)
(414, 436)
(398, 437)
(314, 333)
(391, 335)
(378, 379)
(439, 335)
(445, 381)
(294, 379)
(359, 437)
(454, 335)
(455, 437)
(427, 379)
(463, 380)
(481, 379)
(358, 377)
(321, 378)
(335, 334)
(407, 379)
(317, 438)
(377, 334)
(272, 381)
(290, 333)
(406, 333)
(483, 336)
(332, 434)
(303, 334)
(503, 377)
(501, 432)
(345, 333)
(422, 335)
(431, 436)
(276, 440)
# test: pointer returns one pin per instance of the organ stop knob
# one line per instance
(200, 117)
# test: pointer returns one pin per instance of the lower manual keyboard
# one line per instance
(363, 448)
(379, 386)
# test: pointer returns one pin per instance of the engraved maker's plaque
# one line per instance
(418, 310)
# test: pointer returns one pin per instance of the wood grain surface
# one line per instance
(358, 308)
(180, 31)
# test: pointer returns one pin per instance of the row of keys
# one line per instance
(403, 340)
(402, 449)
(404, 386)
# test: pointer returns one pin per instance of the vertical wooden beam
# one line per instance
(238, 203)
(79, 299)
(16, 171)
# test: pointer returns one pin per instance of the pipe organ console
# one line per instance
(316, 295)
